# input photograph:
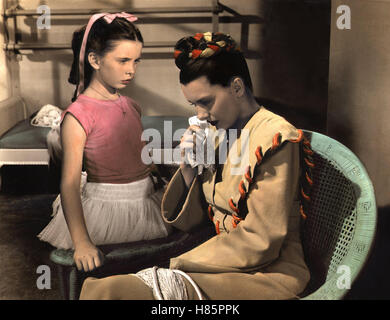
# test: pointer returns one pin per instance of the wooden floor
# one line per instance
(22, 217)
(25, 208)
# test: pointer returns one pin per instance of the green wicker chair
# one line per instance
(338, 231)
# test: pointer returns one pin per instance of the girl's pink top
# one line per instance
(112, 152)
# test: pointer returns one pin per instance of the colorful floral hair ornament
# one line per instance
(202, 45)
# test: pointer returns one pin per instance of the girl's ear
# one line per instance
(237, 87)
(94, 60)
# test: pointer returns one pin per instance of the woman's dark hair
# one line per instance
(214, 55)
(100, 40)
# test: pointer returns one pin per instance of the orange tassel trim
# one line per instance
(235, 220)
(308, 151)
(306, 142)
(259, 155)
(310, 164)
(210, 213)
(275, 141)
(241, 188)
(300, 137)
(231, 204)
(247, 175)
(304, 216)
(217, 227)
(305, 195)
(308, 179)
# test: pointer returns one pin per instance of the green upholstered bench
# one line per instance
(25, 144)
(24, 136)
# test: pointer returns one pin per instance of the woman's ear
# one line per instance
(94, 60)
(237, 87)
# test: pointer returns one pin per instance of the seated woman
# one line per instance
(257, 251)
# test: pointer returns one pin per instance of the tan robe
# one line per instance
(260, 256)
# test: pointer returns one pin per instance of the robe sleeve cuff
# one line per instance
(181, 207)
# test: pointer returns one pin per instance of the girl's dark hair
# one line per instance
(100, 40)
(214, 55)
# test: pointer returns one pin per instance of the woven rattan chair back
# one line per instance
(341, 221)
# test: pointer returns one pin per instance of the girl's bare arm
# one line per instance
(73, 137)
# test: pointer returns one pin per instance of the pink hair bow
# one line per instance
(109, 17)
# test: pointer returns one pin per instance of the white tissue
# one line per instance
(203, 124)
(201, 135)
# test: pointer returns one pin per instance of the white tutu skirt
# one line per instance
(114, 213)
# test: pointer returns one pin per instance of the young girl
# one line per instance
(101, 132)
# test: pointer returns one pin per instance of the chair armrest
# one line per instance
(136, 255)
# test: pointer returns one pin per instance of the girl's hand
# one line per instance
(87, 256)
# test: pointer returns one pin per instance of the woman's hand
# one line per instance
(188, 142)
(87, 256)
